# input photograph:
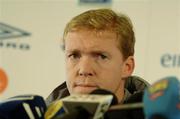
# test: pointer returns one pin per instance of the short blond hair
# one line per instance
(106, 20)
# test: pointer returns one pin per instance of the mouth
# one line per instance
(85, 85)
(84, 88)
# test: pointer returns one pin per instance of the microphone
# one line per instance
(137, 111)
(162, 99)
(106, 92)
(81, 106)
(54, 109)
(159, 101)
(23, 107)
(130, 109)
(114, 112)
(78, 113)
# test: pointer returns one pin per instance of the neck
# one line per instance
(120, 92)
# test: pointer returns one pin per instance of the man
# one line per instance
(99, 50)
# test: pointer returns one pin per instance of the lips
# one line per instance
(84, 88)
(85, 85)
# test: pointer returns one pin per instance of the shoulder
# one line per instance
(135, 84)
(58, 93)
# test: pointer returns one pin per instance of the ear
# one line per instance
(128, 67)
(62, 44)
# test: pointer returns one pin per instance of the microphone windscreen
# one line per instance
(78, 113)
(163, 98)
(95, 104)
(158, 117)
(23, 107)
(135, 113)
(54, 109)
(106, 92)
(130, 109)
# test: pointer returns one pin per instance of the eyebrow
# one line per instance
(99, 52)
(73, 50)
(91, 52)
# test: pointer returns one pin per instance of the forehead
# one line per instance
(91, 39)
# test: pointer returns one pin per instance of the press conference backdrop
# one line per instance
(31, 59)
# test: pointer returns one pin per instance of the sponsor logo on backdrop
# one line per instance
(95, 1)
(170, 60)
(7, 35)
(3, 80)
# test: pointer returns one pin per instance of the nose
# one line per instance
(86, 67)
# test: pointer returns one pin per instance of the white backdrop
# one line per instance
(39, 69)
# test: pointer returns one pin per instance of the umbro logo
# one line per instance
(8, 32)
(95, 1)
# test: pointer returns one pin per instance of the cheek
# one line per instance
(70, 68)
(110, 78)
(110, 84)
(70, 83)
(70, 74)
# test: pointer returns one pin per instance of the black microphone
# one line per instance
(136, 113)
(23, 107)
(131, 109)
(78, 113)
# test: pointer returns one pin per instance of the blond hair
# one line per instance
(106, 20)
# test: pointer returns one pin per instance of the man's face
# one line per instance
(93, 61)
